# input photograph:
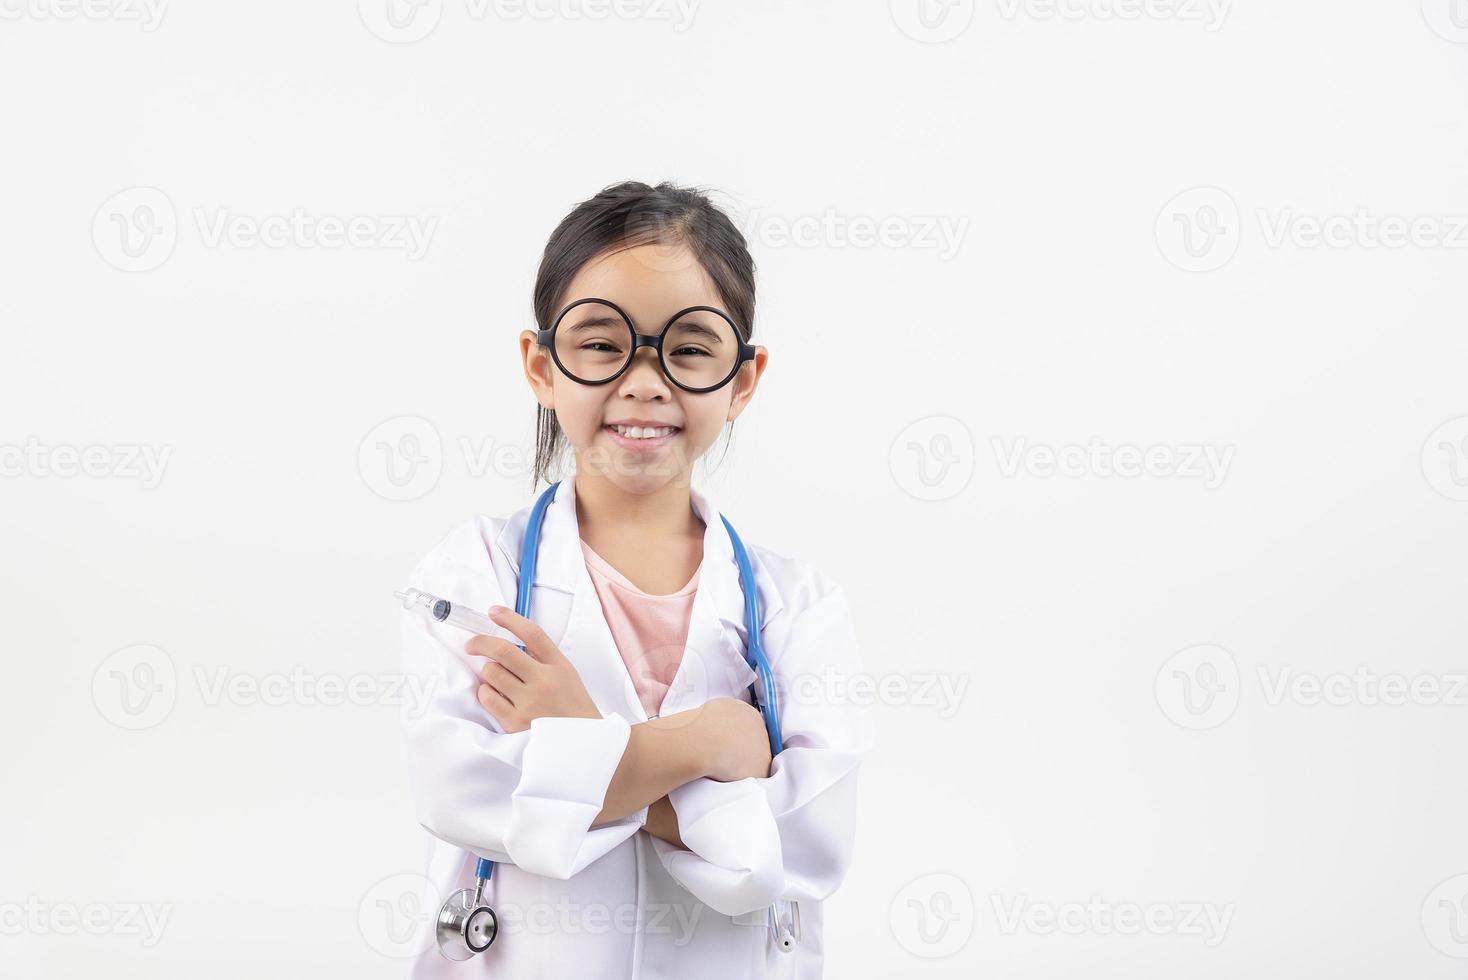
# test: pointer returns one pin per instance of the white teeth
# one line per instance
(644, 432)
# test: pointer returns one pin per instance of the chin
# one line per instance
(629, 473)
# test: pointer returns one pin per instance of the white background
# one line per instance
(1084, 766)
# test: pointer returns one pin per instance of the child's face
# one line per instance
(650, 283)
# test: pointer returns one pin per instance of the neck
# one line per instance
(601, 505)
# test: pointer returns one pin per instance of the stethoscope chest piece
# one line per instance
(466, 926)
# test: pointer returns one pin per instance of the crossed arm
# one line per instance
(723, 739)
(659, 758)
(732, 827)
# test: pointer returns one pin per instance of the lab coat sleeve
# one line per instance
(788, 836)
(526, 798)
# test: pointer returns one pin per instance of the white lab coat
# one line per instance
(570, 895)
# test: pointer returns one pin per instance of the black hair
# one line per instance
(624, 216)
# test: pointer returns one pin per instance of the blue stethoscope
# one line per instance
(466, 923)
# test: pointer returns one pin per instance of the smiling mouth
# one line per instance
(640, 438)
(645, 432)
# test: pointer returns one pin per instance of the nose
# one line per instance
(644, 377)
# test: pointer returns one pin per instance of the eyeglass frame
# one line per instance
(746, 351)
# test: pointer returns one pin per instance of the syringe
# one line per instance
(448, 612)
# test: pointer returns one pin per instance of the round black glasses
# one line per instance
(592, 341)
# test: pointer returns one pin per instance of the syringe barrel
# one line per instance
(462, 617)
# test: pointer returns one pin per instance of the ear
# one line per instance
(539, 369)
(746, 381)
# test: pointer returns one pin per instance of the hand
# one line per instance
(734, 738)
(662, 822)
(520, 687)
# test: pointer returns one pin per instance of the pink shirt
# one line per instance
(651, 631)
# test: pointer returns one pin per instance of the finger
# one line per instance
(530, 634)
(519, 663)
(493, 647)
(502, 652)
(494, 702)
(501, 678)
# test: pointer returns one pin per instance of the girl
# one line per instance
(615, 769)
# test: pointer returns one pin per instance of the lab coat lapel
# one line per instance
(587, 640)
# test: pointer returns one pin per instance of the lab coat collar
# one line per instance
(714, 656)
